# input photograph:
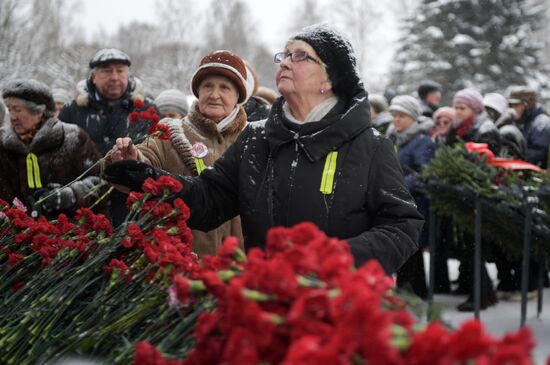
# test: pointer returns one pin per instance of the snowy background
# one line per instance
(486, 44)
(489, 44)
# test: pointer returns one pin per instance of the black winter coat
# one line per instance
(513, 142)
(256, 108)
(271, 176)
(536, 130)
(104, 120)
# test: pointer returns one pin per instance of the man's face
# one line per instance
(434, 98)
(519, 109)
(111, 80)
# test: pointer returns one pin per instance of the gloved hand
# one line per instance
(56, 198)
(131, 173)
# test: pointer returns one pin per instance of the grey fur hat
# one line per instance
(30, 90)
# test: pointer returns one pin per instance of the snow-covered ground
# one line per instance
(503, 317)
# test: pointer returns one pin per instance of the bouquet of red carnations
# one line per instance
(301, 302)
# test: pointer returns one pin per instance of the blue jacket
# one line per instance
(415, 150)
(413, 156)
(535, 127)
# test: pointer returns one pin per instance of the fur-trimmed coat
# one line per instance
(64, 151)
(104, 120)
(175, 156)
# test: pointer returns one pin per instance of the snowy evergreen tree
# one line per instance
(487, 44)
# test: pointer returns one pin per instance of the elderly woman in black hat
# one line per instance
(39, 154)
(316, 158)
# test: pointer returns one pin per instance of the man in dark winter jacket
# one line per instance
(534, 123)
(104, 101)
(102, 105)
(429, 93)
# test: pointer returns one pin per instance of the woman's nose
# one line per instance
(285, 63)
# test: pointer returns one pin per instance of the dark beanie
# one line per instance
(337, 54)
(426, 87)
(30, 90)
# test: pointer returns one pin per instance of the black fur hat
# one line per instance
(31, 90)
(337, 54)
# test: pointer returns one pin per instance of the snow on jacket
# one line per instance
(272, 174)
(64, 151)
(175, 156)
(105, 120)
(536, 130)
(513, 142)
(483, 130)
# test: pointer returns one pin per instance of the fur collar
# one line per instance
(209, 127)
(50, 135)
(181, 143)
(136, 91)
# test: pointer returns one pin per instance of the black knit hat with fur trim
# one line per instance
(30, 90)
(337, 53)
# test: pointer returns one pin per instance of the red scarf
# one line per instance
(464, 127)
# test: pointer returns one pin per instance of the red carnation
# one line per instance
(469, 341)
(183, 288)
(183, 209)
(161, 131)
(115, 264)
(151, 253)
(133, 117)
(151, 186)
(171, 183)
(14, 258)
(147, 354)
(138, 103)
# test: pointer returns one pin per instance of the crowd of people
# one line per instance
(515, 127)
(319, 150)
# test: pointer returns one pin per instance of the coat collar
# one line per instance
(317, 139)
(49, 136)
(86, 94)
(209, 127)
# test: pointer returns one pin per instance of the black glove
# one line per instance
(55, 198)
(131, 173)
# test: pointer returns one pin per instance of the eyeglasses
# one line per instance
(443, 122)
(295, 57)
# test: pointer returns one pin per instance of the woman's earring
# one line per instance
(322, 91)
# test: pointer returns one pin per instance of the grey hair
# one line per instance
(37, 108)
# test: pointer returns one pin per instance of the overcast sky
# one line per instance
(110, 14)
(271, 18)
